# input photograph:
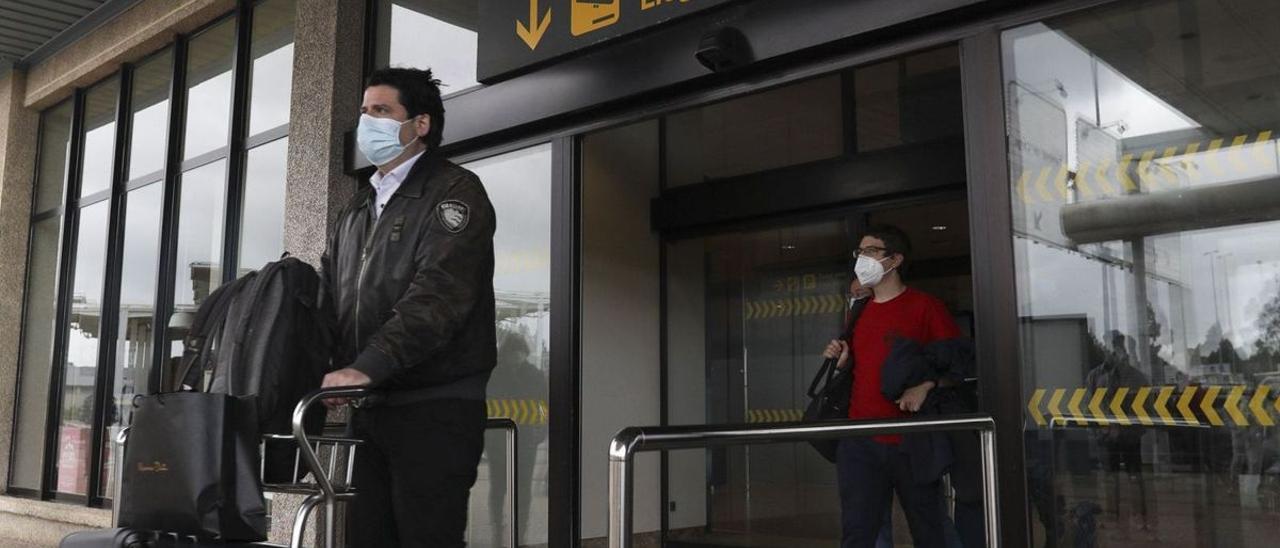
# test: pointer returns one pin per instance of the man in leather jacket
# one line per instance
(408, 280)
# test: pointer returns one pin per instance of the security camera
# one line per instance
(724, 49)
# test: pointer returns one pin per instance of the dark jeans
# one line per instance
(415, 473)
(869, 474)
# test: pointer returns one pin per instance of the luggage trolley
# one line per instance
(331, 482)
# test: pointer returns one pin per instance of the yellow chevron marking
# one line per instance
(1184, 405)
(1117, 408)
(1206, 405)
(1263, 152)
(1104, 186)
(1139, 404)
(1257, 404)
(1033, 406)
(1278, 405)
(1162, 405)
(1211, 159)
(1144, 167)
(1040, 181)
(1021, 187)
(1122, 172)
(1236, 154)
(1170, 179)
(1060, 182)
(1233, 406)
(1095, 406)
(1082, 180)
(1074, 406)
(1054, 400)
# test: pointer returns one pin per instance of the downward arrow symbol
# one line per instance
(532, 34)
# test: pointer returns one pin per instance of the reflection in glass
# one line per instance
(136, 324)
(519, 185)
(198, 263)
(99, 137)
(209, 61)
(76, 420)
(150, 103)
(37, 353)
(271, 76)
(55, 152)
(435, 34)
(1147, 242)
(262, 228)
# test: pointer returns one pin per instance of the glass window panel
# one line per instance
(150, 103)
(55, 153)
(209, 62)
(37, 353)
(435, 34)
(1147, 242)
(198, 263)
(262, 228)
(99, 137)
(519, 185)
(75, 428)
(136, 324)
(272, 70)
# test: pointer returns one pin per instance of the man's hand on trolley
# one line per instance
(343, 378)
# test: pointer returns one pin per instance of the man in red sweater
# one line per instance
(870, 470)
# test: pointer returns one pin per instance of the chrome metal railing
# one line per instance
(636, 439)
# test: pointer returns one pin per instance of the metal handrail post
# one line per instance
(513, 489)
(632, 440)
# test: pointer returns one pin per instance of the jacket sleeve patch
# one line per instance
(454, 215)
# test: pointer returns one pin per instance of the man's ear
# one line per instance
(422, 126)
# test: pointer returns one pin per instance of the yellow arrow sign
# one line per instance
(1233, 409)
(1054, 400)
(1162, 404)
(1206, 405)
(1184, 405)
(532, 34)
(1255, 405)
(1095, 406)
(1117, 408)
(1033, 406)
(1139, 404)
(1074, 406)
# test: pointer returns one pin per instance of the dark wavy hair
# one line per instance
(895, 240)
(419, 94)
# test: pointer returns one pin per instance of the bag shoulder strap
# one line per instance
(208, 323)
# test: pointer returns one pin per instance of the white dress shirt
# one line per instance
(386, 185)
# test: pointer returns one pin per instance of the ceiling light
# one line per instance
(939, 228)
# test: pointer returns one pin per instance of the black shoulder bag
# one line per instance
(829, 392)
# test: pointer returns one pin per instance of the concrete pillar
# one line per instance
(327, 85)
(328, 55)
(17, 165)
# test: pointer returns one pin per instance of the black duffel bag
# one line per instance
(829, 399)
(831, 388)
(191, 467)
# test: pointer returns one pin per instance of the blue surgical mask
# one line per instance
(379, 139)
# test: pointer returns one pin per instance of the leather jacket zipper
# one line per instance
(364, 254)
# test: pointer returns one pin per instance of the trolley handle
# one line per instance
(300, 432)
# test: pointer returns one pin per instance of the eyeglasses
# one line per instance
(869, 250)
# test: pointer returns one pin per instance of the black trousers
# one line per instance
(414, 473)
(869, 473)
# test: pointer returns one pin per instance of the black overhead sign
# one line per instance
(517, 33)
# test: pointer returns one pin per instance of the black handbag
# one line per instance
(829, 399)
(831, 388)
(191, 467)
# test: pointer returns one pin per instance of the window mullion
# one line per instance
(169, 216)
(111, 285)
(66, 258)
(239, 127)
